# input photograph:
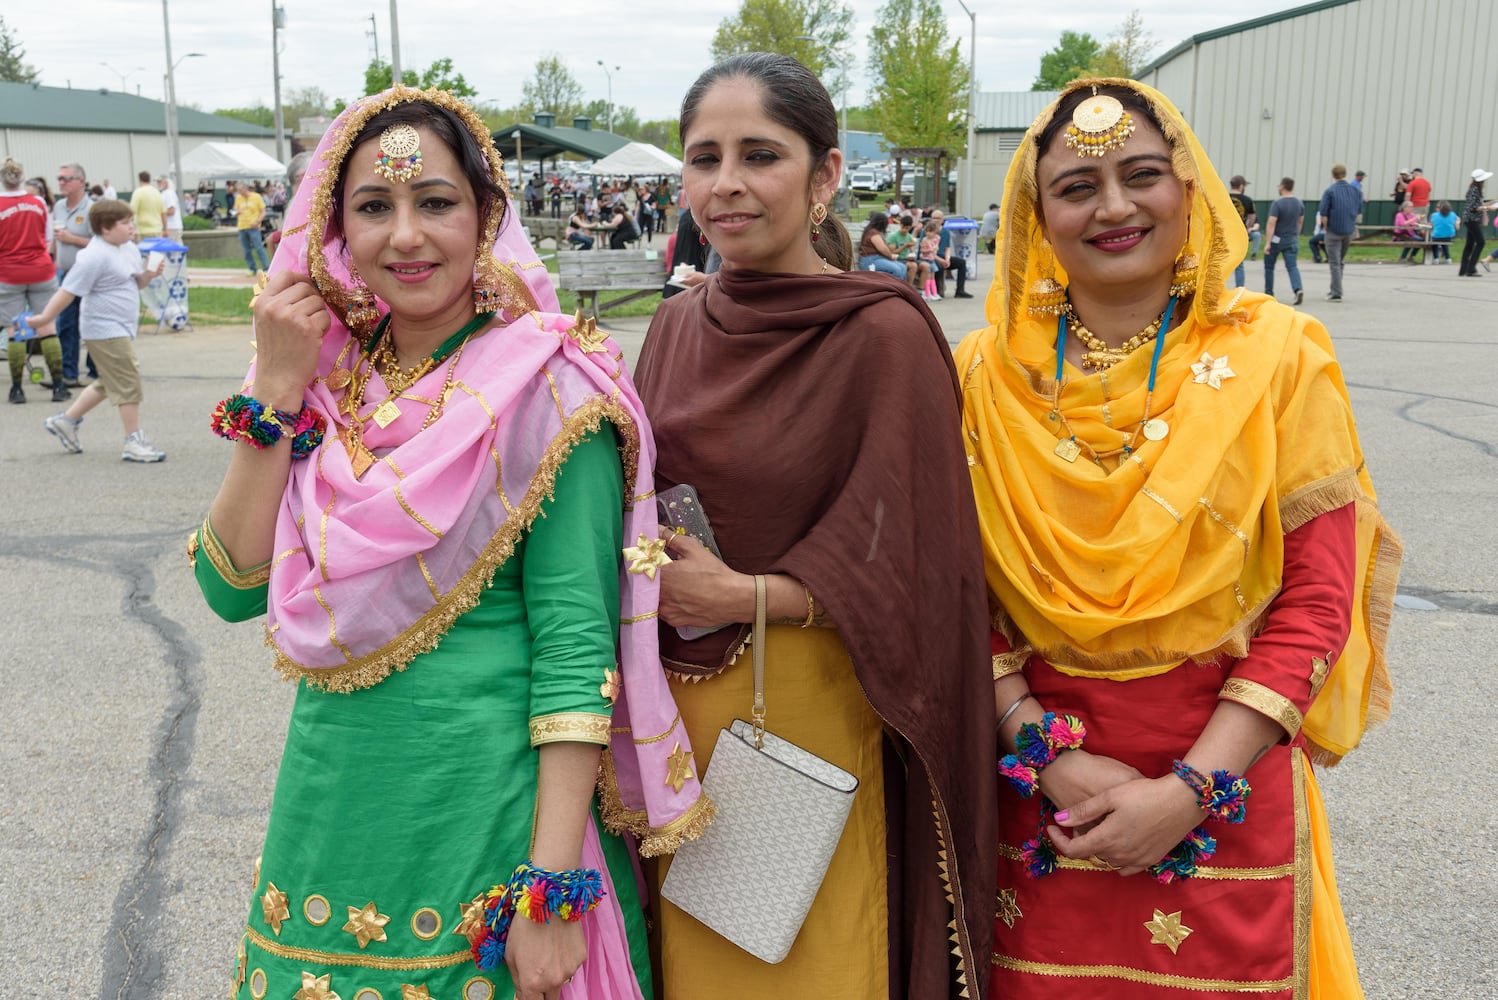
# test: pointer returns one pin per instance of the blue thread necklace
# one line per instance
(1154, 429)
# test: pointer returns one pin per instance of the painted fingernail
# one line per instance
(1062, 816)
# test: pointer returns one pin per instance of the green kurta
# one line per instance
(408, 799)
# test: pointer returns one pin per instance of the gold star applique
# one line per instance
(409, 992)
(1009, 910)
(315, 988)
(273, 905)
(241, 962)
(609, 689)
(590, 339)
(1167, 930)
(366, 925)
(1319, 669)
(647, 555)
(680, 769)
(472, 924)
(1212, 371)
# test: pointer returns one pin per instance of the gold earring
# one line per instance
(363, 310)
(1047, 296)
(498, 289)
(1183, 280)
(818, 216)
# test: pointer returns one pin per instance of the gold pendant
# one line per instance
(338, 379)
(1103, 359)
(360, 458)
(1155, 429)
(1068, 450)
(386, 413)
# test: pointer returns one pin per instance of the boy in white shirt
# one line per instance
(108, 275)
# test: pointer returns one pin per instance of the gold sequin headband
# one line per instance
(400, 154)
(1098, 126)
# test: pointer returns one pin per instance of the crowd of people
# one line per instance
(1155, 533)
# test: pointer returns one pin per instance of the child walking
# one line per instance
(930, 247)
(108, 275)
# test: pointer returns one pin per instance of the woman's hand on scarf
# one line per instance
(543, 957)
(698, 588)
(291, 320)
(1129, 826)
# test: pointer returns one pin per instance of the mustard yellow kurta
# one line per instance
(813, 699)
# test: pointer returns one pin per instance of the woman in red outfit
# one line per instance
(1189, 575)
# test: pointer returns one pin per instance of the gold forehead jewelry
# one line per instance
(400, 154)
(1098, 125)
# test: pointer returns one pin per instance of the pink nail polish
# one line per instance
(1062, 816)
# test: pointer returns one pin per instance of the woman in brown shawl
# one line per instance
(816, 413)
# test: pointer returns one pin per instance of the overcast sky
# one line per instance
(658, 47)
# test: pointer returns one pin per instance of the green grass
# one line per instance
(236, 263)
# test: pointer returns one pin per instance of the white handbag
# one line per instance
(781, 810)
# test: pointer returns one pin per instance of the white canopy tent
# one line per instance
(637, 158)
(230, 161)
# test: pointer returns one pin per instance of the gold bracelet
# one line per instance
(811, 607)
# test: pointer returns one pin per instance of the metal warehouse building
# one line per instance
(110, 134)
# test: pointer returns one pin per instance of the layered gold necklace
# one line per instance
(1099, 355)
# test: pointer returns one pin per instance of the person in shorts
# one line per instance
(108, 275)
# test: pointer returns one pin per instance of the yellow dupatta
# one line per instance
(1178, 552)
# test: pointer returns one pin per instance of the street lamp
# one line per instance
(610, 77)
(123, 76)
(169, 84)
(972, 90)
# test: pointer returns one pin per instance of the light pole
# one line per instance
(610, 77)
(395, 46)
(972, 90)
(124, 77)
(170, 85)
(277, 23)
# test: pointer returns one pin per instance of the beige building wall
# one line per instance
(1377, 84)
(119, 156)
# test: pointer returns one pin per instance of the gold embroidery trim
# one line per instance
(570, 727)
(1263, 700)
(1142, 976)
(653, 840)
(424, 633)
(311, 956)
(1229, 525)
(647, 740)
(1162, 502)
(636, 619)
(1011, 662)
(413, 515)
(1211, 872)
(249, 579)
(1303, 861)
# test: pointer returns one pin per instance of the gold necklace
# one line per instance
(360, 456)
(396, 378)
(1099, 355)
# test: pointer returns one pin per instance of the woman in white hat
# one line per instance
(1474, 217)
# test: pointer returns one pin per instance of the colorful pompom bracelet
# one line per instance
(537, 895)
(1041, 859)
(1224, 796)
(1038, 746)
(245, 418)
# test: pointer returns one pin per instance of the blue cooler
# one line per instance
(166, 296)
(964, 243)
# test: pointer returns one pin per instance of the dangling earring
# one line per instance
(363, 311)
(701, 238)
(1183, 281)
(818, 216)
(1047, 296)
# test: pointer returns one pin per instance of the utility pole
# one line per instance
(277, 22)
(173, 146)
(374, 33)
(395, 45)
(972, 90)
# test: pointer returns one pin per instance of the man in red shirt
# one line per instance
(1418, 192)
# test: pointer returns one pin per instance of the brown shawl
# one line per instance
(818, 418)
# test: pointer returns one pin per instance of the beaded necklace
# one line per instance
(1099, 355)
(1070, 446)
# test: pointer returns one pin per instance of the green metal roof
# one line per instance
(537, 142)
(27, 105)
(1233, 29)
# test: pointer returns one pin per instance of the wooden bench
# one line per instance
(588, 272)
(1383, 236)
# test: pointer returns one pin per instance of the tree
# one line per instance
(1127, 52)
(1071, 58)
(816, 33)
(13, 66)
(920, 79)
(553, 89)
(256, 115)
(378, 76)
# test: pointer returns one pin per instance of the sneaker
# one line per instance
(963, 295)
(65, 429)
(1333, 298)
(138, 449)
(1300, 296)
(17, 394)
(60, 393)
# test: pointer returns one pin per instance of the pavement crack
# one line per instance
(133, 964)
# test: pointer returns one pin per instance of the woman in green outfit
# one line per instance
(436, 546)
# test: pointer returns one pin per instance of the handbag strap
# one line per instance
(758, 643)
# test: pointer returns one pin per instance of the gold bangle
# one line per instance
(811, 607)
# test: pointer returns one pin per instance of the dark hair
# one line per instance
(1288, 183)
(1132, 101)
(145, 176)
(106, 213)
(448, 127)
(878, 221)
(793, 97)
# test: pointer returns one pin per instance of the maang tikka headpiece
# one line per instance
(400, 154)
(1098, 125)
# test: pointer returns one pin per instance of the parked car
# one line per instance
(864, 180)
